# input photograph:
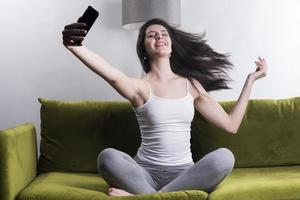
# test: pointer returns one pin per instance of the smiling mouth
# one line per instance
(160, 45)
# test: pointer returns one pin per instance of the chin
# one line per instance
(161, 55)
(162, 52)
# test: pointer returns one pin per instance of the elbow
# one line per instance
(232, 126)
(232, 129)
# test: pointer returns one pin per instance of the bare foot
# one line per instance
(117, 192)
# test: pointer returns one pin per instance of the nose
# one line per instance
(158, 36)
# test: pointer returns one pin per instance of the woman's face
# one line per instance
(157, 41)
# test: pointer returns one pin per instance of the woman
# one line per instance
(180, 69)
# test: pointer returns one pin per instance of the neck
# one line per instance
(161, 69)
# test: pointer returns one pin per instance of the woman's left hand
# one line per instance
(261, 70)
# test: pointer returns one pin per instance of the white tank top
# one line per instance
(165, 126)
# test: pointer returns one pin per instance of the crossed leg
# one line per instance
(123, 174)
(205, 174)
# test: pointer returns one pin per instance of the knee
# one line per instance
(105, 157)
(224, 162)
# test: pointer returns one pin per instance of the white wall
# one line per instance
(248, 29)
(34, 63)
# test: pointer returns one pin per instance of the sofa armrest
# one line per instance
(18, 159)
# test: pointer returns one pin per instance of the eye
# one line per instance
(151, 35)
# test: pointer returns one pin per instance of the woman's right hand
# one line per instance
(73, 34)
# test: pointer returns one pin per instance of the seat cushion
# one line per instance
(88, 186)
(269, 183)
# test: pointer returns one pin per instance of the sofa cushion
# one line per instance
(268, 136)
(73, 133)
(87, 186)
(269, 183)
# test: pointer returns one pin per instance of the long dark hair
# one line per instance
(191, 57)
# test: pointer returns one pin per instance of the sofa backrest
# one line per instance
(269, 134)
(73, 133)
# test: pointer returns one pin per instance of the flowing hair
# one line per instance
(191, 57)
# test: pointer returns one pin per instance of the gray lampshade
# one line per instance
(136, 12)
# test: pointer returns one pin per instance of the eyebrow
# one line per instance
(160, 30)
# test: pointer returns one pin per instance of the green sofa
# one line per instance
(266, 149)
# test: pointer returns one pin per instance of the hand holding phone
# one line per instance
(74, 33)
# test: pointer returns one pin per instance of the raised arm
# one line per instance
(213, 111)
(73, 35)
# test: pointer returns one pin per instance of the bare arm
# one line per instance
(214, 112)
(126, 86)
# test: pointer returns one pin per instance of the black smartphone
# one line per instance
(89, 17)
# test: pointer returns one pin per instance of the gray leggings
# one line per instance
(121, 171)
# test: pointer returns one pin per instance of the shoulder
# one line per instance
(196, 89)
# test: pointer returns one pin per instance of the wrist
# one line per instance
(71, 47)
(250, 79)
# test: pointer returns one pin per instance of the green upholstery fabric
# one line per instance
(269, 183)
(268, 136)
(266, 149)
(88, 186)
(18, 159)
(73, 133)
